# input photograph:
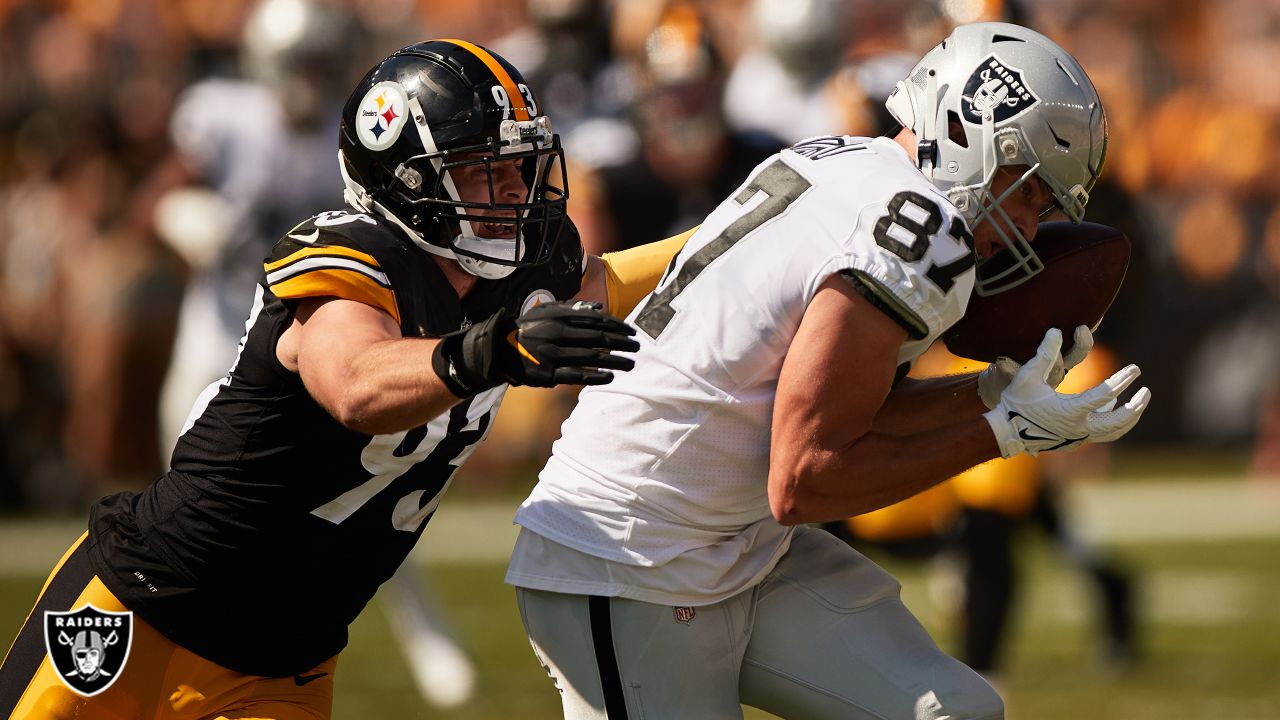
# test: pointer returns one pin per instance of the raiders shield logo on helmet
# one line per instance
(88, 647)
(996, 88)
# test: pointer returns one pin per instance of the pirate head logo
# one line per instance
(995, 88)
(88, 647)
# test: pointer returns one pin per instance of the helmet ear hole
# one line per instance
(955, 129)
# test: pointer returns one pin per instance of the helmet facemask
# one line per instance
(979, 204)
(533, 223)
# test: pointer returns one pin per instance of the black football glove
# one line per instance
(560, 343)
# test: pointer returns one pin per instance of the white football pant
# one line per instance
(824, 636)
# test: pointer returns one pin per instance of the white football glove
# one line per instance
(996, 377)
(1032, 417)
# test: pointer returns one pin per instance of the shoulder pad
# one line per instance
(335, 254)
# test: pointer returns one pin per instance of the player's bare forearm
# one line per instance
(390, 386)
(917, 405)
(823, 482)
(829, 457)
(354, 363)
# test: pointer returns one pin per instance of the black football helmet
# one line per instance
(434, 112)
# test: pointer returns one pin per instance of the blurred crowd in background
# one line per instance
(152, 150)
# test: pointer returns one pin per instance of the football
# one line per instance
(1084, 266)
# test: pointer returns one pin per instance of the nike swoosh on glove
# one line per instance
(1032, 417)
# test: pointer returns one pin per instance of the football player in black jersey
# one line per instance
(380, 343)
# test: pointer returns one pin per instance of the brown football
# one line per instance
(1084, 266)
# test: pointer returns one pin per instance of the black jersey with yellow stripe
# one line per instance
(275, 524)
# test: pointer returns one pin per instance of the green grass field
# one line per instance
(1211, 640)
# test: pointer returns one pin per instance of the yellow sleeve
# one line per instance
(332, 270)
(631, 274)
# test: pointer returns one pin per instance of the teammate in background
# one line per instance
(783, 85)
(679, 157)
(380, 342)
(255, 154)
(664, 567)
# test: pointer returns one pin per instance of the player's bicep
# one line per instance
(836, 375)
(327, 337)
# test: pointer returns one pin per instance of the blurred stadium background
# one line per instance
(150, 150)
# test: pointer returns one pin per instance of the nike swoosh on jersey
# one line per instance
(301, 680)
(308, 239)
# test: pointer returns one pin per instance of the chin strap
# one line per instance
(355, 195)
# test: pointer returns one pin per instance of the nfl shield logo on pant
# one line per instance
(684, 614)
(88, 647)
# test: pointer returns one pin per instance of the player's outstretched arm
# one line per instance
(827, 462)
(558, 343)
(354, 362)
(620, 280)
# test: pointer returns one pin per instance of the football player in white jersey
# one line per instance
(664, 568)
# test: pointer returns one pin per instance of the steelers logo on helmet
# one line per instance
(382, 115)
(997, 88)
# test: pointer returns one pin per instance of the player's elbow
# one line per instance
(797, 509)
(789, 501)
(352, 417)
(356, 410)
(786, 511)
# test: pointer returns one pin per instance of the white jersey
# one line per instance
(657, 489)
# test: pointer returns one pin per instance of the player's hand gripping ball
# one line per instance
(1084, 266)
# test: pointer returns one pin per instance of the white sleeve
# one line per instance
(217, 120)
(912, 256)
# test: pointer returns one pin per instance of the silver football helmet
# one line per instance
(297, 49)
(996, 94)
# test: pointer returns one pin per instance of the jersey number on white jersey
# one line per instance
(916, 218)
(780, 184)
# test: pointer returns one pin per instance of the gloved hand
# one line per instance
(996, 377)
(553, 344)
(1032, 417)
